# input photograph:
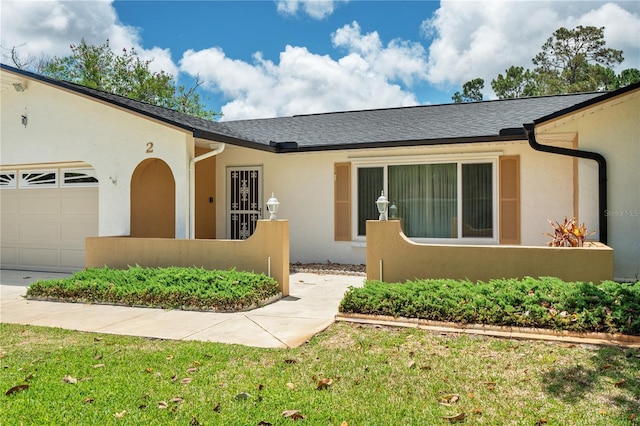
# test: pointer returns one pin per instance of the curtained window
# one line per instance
(429, 199)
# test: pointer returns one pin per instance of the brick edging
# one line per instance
(496, 331)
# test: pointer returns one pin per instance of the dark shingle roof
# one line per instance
(407, 126)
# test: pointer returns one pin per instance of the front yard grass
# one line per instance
(347, 375)
(544, 302)
(173, 287)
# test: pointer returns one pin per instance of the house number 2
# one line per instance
(149, 147)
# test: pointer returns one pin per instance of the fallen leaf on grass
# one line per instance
(196, 363)
(620, 383)
(69, 379)
(216, 408)
(98, 365)
(186, 380)
(290, 361)
(449, 399)
(162, 405)
(477, 411)
(120, 414)
(411, 364)
(98, 357)
(292, 414)
(17, 389)
(457, 418)
(605, 367)
(260, 386)
(192, 370)
(324, 384)
(242, 396)
(148, 370)
(344, 423)
(177, 399)
(263, 423)
(169, 357)
(542, 421)
(194, 421)
(88, 401)
(633, 417)
(290, 385)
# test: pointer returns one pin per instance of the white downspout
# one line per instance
(217, 148)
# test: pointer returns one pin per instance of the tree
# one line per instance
(570, 61)
(99, 67)
(574, 61)
(471, 91)
(516, 83)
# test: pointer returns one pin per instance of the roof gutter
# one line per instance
(602, 173)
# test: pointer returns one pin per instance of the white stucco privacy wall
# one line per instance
(65, 127)
(611, 128)
(304, 185)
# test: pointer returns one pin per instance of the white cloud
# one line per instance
(302, 82)
(482, 39)
(47, 28)
(316, 9)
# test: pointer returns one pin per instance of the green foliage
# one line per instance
(99, 67)
(471, 91)
(174, 287)
(570, 61)
(540, 303)
(381, 376)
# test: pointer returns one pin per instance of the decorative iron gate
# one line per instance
(244, 189)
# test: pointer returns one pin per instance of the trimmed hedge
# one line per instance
(545, 302)
(173, 287)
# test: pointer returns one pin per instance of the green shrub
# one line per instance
(173, 287)
(545, 302)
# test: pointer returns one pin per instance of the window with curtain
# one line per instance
(440, 200)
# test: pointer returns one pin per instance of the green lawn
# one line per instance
(378, 376)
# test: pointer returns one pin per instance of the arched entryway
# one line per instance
(153, 200)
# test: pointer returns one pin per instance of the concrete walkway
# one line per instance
(289, 322)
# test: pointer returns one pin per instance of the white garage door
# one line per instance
(46, 216)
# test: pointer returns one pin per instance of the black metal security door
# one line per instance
(245, 201)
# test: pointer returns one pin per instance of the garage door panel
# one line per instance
(8, 204)
(39, 257)
(45, 228)
(39, 232)
(35, 202)
(8, 256)
(9, 231)
(79, 201)
(72, 257)
(74, 233)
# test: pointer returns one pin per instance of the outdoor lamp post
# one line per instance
(382, 203)
(272, 206)
(393, 211)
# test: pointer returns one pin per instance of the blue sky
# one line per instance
(276, 58)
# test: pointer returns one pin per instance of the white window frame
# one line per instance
(11, 183)
(459, 159)
(24, 184)
(87, 171)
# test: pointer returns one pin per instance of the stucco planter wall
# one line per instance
(392, 257)
(266, 251)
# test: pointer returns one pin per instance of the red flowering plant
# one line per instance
(568, 234)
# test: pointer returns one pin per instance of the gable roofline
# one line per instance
(593, 101)
(207, 129)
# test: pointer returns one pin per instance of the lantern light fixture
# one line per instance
(382, 203)
(272, 206)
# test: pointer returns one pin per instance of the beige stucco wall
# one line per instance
(391, 254)
(266, 251)
(65, 127)
(612, 129)
(303, 183)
